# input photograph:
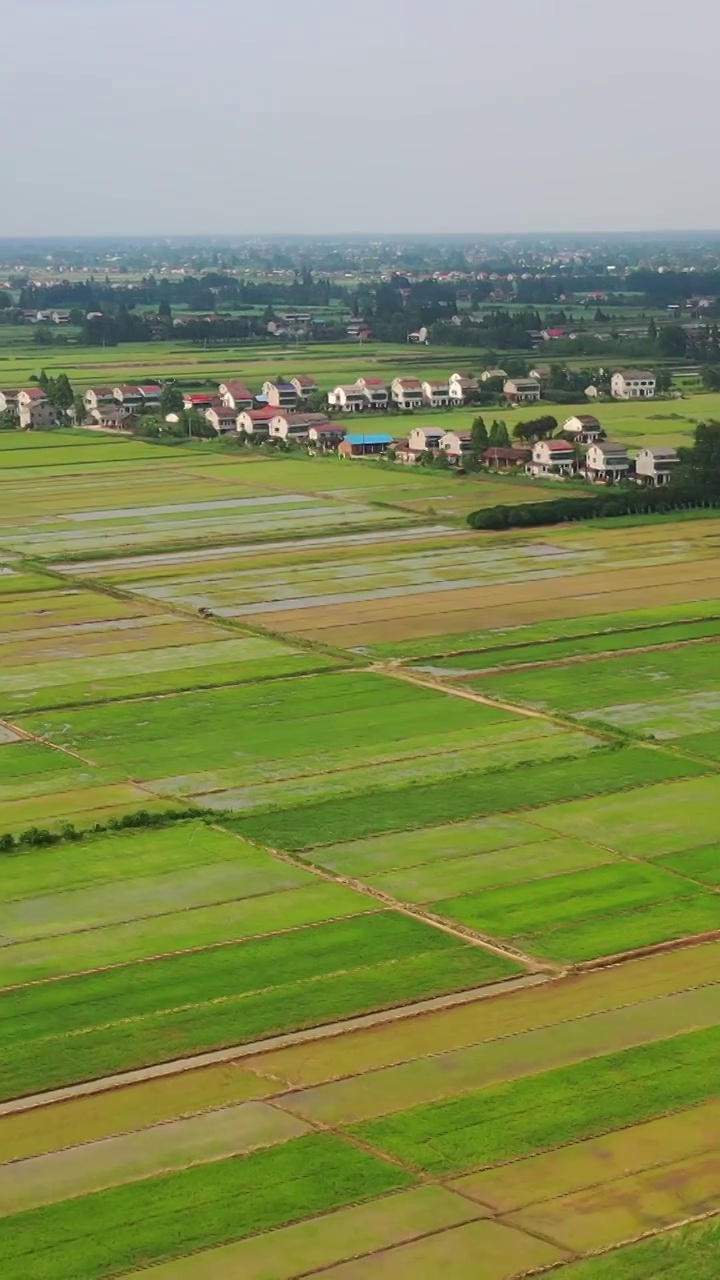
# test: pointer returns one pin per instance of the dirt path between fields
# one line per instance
(236, 1052)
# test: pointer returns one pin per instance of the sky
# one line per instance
(234, 117)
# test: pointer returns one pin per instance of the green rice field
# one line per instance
(409, 962)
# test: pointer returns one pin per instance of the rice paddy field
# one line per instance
(359, 877)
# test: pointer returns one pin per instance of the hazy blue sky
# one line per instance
(234, 116)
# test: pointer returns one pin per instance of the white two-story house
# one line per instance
(552, 458)
(376, 392)
(654, 465)
(521, 390)
(236, 395)
(407, 393)
(348, 398)
(633, 384)
(460, 387)
(606, 462)
(436, 393)
(280, 395)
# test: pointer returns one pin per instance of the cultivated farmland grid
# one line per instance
(360, 876)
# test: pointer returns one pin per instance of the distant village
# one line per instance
(279, 413)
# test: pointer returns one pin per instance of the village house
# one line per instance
(200, 401)
(32, 395)
(256, 422)
(364, 446)
(37, 415)
(583, 428)
(223, 419)
(326, 437)
(404, 454)
(521, 390)
(654, 465)
(456, 444)
(425, 439)
(460, 388)
(436, 393)
(60, 317)
(505, 457)
(8, 400)
(554, 335)
(151, 394)
(96, 396)
(487, 374)
(633, 384)
(130, 395)
(280, 395)
(406, 393)
(349, 399)
(606, 462)
(296, 426)
(111, 417)
(304, 386)
(376, 392)
(235, 395)
(552, 458)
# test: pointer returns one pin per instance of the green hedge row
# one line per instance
(615, 502)
(38, 837)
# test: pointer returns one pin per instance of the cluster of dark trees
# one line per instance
(696, 484)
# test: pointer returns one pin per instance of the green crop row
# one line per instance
(470, 795)
(165, 1217)
(139, 1014)
(687, 1253)
(561, 1106)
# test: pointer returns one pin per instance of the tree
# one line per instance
(710, 376)
(705, 455)
(652, 332)
(672, 340)
(60, 393)
(316, 402)
(479, 436)
(164, 312)
(499, 438)
(171, 400)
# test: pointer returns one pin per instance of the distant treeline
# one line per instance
(616, 502)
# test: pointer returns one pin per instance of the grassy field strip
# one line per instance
(321, 760)
(134, 1108)
(574, 904)
(552, 1004)
(323, 1242)
(121, 534)
(79, 1170)
(164, 1217)
(506, 641)
(449, 1074)
(480, 1249)
(645, 823)
(542, 1112)
(90, 804)
(435, 764)
(398, 632)
(88, 1026)
(178, 932)
(625, 1209)
(624, 688)
(687, 1253)
(598, 1162)
(202, 653)
(441, 613)
(473, 872)
(106, 859)
(309, 826)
